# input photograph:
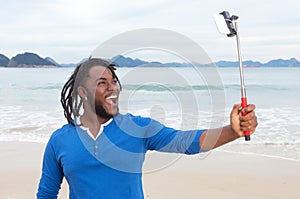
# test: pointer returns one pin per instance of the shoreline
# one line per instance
(260, 155)
(213, 175)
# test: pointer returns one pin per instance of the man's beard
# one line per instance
(101, 112)
(99, 109)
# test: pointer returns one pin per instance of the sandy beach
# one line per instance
(217, 175)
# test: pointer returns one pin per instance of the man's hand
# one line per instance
(214, 138)
(240, 123)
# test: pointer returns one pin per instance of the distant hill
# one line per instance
(127, 61)
(29, 60)
(52, 61)
(236, 63)
(3, 60)
(273, 63)
(122, 61)
(33, 60)
(281, 62)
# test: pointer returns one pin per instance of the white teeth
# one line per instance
(112, 97)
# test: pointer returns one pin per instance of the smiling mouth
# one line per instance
(111, 99)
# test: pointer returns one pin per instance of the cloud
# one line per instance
(66, 29)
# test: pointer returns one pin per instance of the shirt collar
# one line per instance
(77, 121)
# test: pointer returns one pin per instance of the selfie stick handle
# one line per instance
(243, 89)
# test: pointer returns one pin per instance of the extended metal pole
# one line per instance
(243, 89)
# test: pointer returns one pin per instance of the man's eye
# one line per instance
(101, 83)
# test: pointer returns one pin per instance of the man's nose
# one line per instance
(112, 86)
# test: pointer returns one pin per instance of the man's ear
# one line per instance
(82, 92)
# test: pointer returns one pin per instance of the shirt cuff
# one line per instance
(195, 145)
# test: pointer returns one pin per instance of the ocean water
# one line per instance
(185, 98)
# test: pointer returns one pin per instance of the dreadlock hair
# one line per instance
(70, 99)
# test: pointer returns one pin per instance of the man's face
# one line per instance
(103, 92)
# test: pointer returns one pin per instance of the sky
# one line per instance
(69, 30)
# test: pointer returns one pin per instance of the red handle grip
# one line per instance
(244, 105)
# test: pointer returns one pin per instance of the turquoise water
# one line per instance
(179, 97)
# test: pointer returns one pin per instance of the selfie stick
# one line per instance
(233, 31)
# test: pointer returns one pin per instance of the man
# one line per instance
(101, 152)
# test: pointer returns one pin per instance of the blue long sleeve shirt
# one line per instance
(111, 165)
